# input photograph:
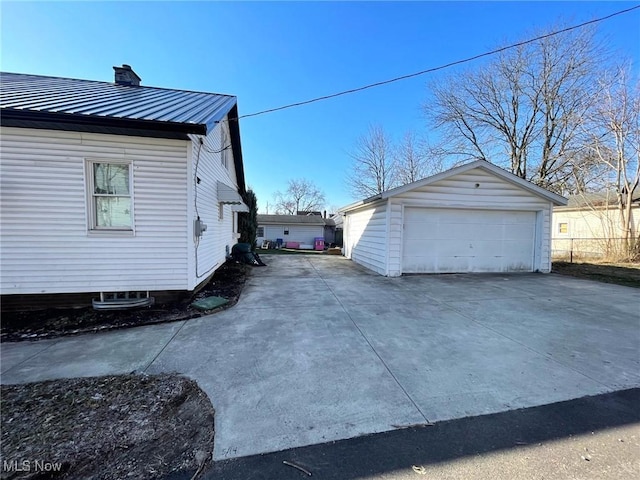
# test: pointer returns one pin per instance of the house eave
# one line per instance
(361, 203)
(96, 124)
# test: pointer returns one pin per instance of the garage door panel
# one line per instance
(423, 246)
(425, 265)
(514, 247)
(519, 232)
(458, 240)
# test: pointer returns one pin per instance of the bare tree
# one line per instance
(523, 110)
(614, 128)
(416, 159)
(373, 169)
(301, 195)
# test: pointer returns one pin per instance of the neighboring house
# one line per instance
(338, 220)
(593, 215)
(329, 231)
(473, 218)
(114, 187)
(591, 224)
(302, 229)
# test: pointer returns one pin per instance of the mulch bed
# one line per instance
(227, 282)
(122, 426)
(125, 426)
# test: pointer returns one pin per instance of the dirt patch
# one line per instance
(627, 274)
(125, 426)
(227, 282)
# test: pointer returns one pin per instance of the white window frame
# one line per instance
(92, 226)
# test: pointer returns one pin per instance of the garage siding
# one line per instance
(473, 189)
(366, 237)
(395, 239)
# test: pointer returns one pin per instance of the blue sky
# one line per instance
(270, 54)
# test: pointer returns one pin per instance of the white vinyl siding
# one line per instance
(304, 234)
(592, 222)
(209, 252)
(366, 237)
(46, 246)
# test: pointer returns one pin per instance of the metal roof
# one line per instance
(26, 97)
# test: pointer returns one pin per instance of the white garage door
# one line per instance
(439, 240)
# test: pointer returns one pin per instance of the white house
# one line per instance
(114, 187)
(302, 229)
(473, 218)
(591, 225)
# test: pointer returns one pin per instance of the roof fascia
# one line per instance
(65, 121)
(236, 146)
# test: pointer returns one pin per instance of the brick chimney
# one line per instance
(126, 76)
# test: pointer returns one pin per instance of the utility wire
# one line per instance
(441, 67)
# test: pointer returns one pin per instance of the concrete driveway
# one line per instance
(320, 349)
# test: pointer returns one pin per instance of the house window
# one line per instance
(260, 232)
(563, 228)
(110, 195)
(286, 231)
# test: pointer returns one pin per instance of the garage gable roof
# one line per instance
(481, 164)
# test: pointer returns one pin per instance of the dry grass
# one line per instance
(620, 273)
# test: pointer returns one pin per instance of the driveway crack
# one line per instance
(427, 421)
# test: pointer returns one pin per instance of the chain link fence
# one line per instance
(594, 248)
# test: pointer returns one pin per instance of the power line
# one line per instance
(441, 67)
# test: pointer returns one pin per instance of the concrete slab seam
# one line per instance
(374, 350)
(546, 355)
(184, 322)
(55, 342)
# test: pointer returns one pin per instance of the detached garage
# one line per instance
(473, 218)
(301, 229)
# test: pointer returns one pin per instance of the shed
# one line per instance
(114, 187)
(473, 218)
(302, 229)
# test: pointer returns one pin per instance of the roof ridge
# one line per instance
(115, 84)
